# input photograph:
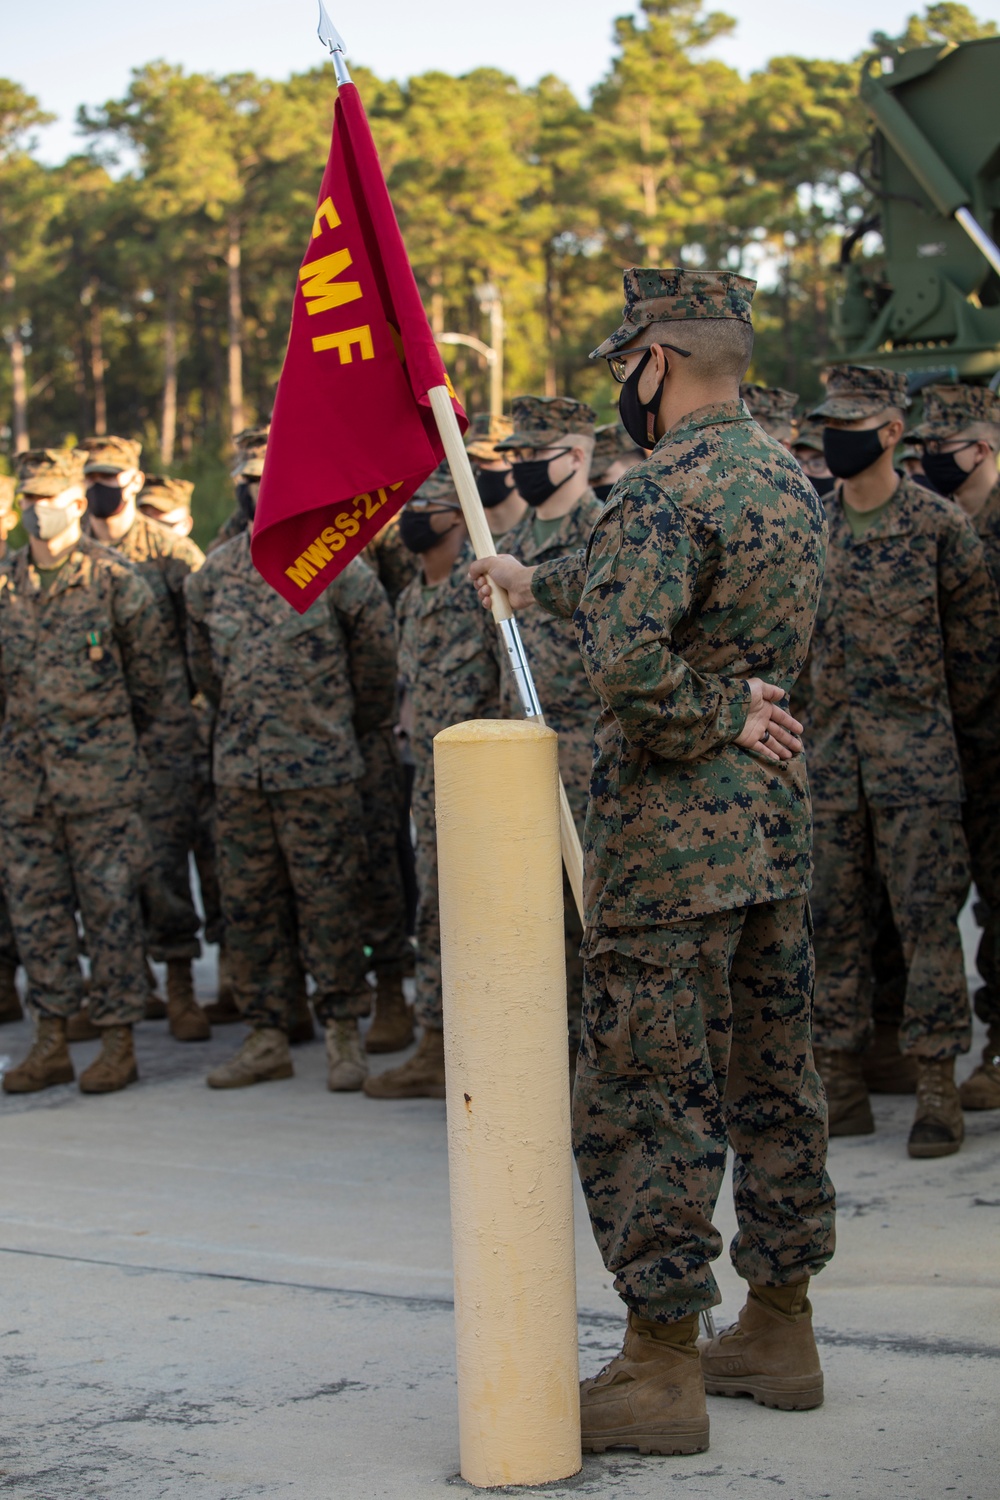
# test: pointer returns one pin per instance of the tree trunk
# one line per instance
(97, 366)
(168, 433)
(19, 391)
(235, 329)
(551, 325)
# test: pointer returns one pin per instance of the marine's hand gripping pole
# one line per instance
(482, 544)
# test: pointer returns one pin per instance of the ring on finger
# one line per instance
(765, 736)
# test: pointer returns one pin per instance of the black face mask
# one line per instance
(246, 504)
(416, 531)
(532, 482)
(848, 453)
(823, 485)
(103, 500)
(639, 417)
(945, 472)
(602, 491)
(493, 486)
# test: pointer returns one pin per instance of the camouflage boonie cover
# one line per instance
(612, 442)
(251, 446)
(653, 296)
(6, 493)
(773, 408)
(484, 432)
(856, 391)
(166, 494)
(48, 471)
(439, 486)
(545, 421)
(110, 455)
(949, 409)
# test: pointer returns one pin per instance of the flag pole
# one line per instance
(481, 538)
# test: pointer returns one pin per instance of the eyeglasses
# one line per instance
(617, 365)
(943, 445)
(527, 455)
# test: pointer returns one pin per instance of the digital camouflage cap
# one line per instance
(950, 409)
(483, 434)
(546, 421)
(809, 435)
(110, 455)
(165, 494)
(48, 471)
(251, 446)
(855, 391)
(675, 296)
(439, 486)
(6, 494)
(611, 443)
(772, 408)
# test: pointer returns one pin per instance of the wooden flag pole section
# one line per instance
(510, 1167)
(483, 545)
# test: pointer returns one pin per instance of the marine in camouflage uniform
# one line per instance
(294, 696)
(569, 703)
(904, 657)
(773, 409)
(449, 667)
(250, 446)
(964, 422)
(10, 1004)
(165, 559)
(503, 505)
(703, 570)
(81, 678)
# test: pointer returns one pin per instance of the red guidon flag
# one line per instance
(352, 435)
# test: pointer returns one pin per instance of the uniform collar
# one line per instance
(566, 534)
(68, 575)
(898, 518)
(706, 416)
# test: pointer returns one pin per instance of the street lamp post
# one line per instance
(491, 302)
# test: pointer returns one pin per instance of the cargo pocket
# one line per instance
(632, 1003)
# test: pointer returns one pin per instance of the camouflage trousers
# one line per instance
(696, 1038)
(427, 1006)
(981, 821)
(54, 866)
(384, 915)
(920, 854)
(203, 849)
(168, 811)
(574, 764)
(290, 873)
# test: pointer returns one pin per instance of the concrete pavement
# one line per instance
(213, 1296)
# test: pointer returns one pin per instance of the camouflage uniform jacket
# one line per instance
(906, 651)
(292, 694)
(81, 677)
(165, 559)
(704, 569)
(987, 525)
(449, 656)
(568, 701)
(392, 560)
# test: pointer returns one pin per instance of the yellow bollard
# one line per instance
(509, 1156)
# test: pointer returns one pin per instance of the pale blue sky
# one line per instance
(82, 52)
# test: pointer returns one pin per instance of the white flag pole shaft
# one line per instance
(483, 545)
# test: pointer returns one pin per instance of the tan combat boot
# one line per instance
(981, 1090)
(223, 1011)
(346, 1058)
(10, 1000)
(885, 1069)
(114, 1067)
(770, 1353)
(938, 1127)
(80, 1028)
(846, 1092)
(263, 1056)
(47, 1064)
(421, 1077)
(651, 1396)
(392, 1028)
(187, 1021)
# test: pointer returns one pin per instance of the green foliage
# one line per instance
(122, 259)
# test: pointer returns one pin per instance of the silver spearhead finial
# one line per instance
(332, 39)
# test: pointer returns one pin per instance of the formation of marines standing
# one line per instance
(669, 619)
